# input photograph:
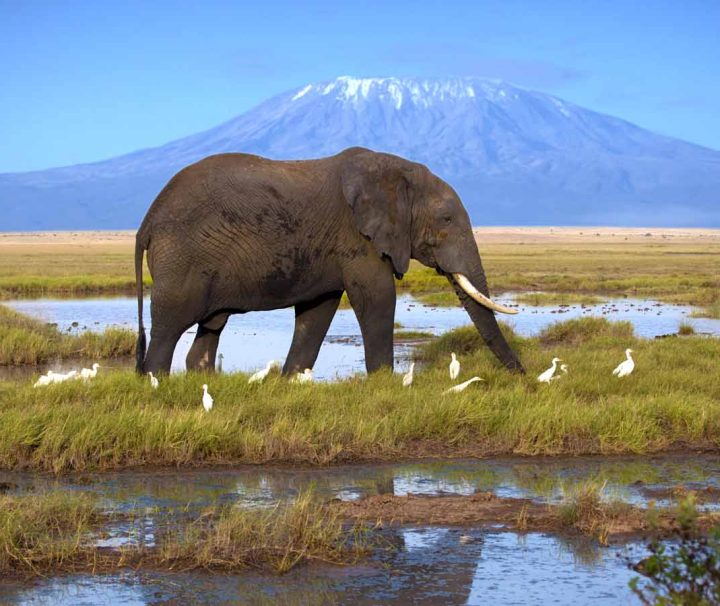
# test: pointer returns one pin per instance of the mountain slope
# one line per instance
(514, 155)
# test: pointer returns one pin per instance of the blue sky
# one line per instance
(86, 80)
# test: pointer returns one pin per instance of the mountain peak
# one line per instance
(514, 155)
(417, 91)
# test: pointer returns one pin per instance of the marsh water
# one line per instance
(250, 340)
(420, 565)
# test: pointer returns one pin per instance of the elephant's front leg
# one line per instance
(312, 321)
(371, 290)
(204, 348)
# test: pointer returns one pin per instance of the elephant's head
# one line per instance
(408, 212)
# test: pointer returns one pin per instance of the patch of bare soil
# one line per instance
(479, 508)
(604, 521)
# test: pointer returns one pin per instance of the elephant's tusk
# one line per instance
(476, 295)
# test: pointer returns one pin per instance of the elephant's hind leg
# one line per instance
(312, 321)
(163, 339)
(204, 348)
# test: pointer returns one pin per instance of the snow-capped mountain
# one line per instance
(514, 155)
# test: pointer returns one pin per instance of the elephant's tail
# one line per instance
(140, 246)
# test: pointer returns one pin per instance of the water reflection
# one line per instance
(419, 566)
(634, 479)
(249, 340)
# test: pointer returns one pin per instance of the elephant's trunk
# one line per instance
(484, 319)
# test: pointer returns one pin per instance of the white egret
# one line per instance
(564, 369)
(207, 399)
(303, 377)
(408, 377)
(44, 379)
(546, 375)
(454, 367)
(626, 367)
(87, 373)
(462, 386)
(154, 383)
(260, 375)
(54, 377)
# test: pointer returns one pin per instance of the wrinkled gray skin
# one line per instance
(237, 233)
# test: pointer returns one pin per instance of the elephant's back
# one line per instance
(239, 188)
(232, 209)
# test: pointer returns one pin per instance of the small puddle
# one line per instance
(249, 340)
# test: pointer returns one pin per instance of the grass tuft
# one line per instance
(585, 509)
(686, 329)
(43, 532)
(228, 537)
(581, 330)
(25, 340)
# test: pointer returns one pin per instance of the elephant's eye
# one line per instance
(447, 219)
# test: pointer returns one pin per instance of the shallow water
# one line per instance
(249, 340)
(425, 565)
(632, 478)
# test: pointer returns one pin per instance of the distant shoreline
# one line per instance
(491, 233)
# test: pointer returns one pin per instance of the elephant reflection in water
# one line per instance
(235, 233)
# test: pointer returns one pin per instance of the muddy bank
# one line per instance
(586, 514)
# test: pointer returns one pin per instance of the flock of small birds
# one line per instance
(623, 369)
(551, 374)
(57, 377)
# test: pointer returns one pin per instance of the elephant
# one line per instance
(236, 232)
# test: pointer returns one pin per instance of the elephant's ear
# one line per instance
(377, 189)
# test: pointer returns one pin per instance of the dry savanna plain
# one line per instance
(117, 421)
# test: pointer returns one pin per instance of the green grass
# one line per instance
(672, 400)
(582, 330)
(227, 537)
(709, 311)
(55, 532)
(539, 299)
(39, 533)
(25, 340)
(585, 508)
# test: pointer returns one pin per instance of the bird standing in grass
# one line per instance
(563, 369)
(546, 375)
(303, 377)
(207, 399)
(260, 375)
(462, 386)
(154, 383)
(454, 367)
(57, 377)
(87, 373)
(408, 377)
(45, 379)
(626, 367)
